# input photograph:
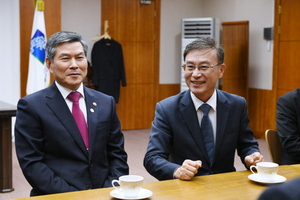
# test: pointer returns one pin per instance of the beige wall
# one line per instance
(260, 14)
(9, 51)
(83, 17)
(172, 11)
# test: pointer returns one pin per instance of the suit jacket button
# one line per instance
(88, 187)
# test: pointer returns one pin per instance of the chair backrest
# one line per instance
(274, 145)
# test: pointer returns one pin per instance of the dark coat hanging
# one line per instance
(108, 67)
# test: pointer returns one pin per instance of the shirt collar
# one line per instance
(212, 101)
(65, 91)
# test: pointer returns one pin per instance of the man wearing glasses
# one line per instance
(198, 131)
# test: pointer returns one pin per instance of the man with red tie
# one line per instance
(68, 136)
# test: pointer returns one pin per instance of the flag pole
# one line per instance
(40, 4)
(34, 3)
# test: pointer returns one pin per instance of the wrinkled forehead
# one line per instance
(202, 56)
(69, 47)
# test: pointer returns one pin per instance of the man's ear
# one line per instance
(222, 70)
(48, 64)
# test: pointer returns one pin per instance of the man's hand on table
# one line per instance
(187, 170)
(253, 159)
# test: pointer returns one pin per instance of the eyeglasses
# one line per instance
(204, 68)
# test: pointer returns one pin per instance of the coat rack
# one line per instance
(105, 35)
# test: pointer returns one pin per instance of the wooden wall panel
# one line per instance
(126, 20)
(139, 105)
(262, 111)
(134, 26)
(167, 90)
(145, 70)
(288, 69)
(235, 41)
(289, 23)
(233, 86)
(52, 15)
(127, 109)
(281, 92)
(286, 43)
(130, 61)
(146, 18)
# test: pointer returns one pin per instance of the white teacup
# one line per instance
(130, 185)
(266, 171)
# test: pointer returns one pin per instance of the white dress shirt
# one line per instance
(212, 113)
(65, 92)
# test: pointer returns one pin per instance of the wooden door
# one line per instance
(136, 27)
(235, 41)
(288, 44)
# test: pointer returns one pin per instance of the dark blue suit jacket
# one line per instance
(175, 135)
(288, 126)
(285, 191)
(51, 151)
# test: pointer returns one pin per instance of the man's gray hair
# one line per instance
(205, 43)
(63, 37)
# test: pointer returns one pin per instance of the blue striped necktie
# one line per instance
(207, 132)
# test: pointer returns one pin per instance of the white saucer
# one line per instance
(144, 193)
(277, 179)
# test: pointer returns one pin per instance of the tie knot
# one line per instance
(74, 96)
(205, 109)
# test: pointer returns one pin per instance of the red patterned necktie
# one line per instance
(79, 117)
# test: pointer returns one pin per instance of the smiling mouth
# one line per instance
(74, 74)
(197, 82)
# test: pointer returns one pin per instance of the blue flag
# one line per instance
(37, 46)
(38, 74)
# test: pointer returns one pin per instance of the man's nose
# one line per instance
(196, 72)
(73, 63)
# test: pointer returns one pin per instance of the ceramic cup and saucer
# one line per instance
(130, 188)
(266, 173)
(143, 194)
